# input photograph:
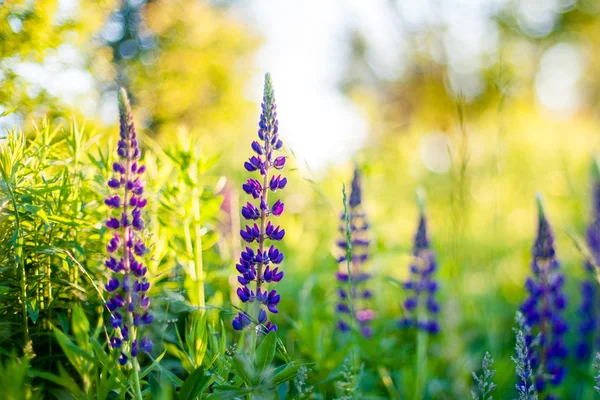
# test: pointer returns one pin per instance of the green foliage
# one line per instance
(47, 220)
(97, 376)
(15, 380)
(31, 33)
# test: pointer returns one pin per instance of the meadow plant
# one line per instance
(128, 302)
(421, 304)
(587, 311)
(526, 388)
(260, 265)
(597, 376)
(352, 283)
(543, 309)
(485, 383)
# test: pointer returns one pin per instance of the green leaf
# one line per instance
(172, 377)
(243, 368)
(195, 384)
(229, 392)
(151, 367)
(266, 352)
(290, 371)
(34, 313)
(7, 112)
(160, 390)
(75, 355)
(63, 380)
(81, 327)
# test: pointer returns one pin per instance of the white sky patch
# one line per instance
(557, 82)
(305, 52)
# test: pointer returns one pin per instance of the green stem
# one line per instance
(198, 251)
(136, 378)
(384, 374)
(422, 339)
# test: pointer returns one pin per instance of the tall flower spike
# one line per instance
(260, 265)
(588, 314)
(421, 305)
(543, 309)
(360, 295)
(128, 285)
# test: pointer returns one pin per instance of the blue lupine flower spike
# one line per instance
(420, 304)
(543, 309)
(260, 265)
(588, 311)
(361, 295)
(128, 302)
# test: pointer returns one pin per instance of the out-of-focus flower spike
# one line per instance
(420, 305)
(543, 308)
(363, 315)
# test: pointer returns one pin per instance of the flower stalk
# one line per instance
(260, 265)
(353, 297)
(543, 309)
(128, 302)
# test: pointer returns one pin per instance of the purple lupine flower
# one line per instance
(260, 265)
(128, 284)
(421, 305)
(358, 277)
(544, 307)
(589, 316)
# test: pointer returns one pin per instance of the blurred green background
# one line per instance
(480, 103)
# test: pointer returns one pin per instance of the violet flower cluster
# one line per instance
(421, 305)
(261, 264)
(543, 310)
(360, 295)
(588, 314)
(128, 301)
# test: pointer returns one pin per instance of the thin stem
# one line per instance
(136, 366)
(422, 339)
(129, 296)
(261, 240)
(198, 250)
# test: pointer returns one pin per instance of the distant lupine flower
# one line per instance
(261, 264)
(128, 302)
(358, 277)
(421, 305)
(588, 313)
(544, 307)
